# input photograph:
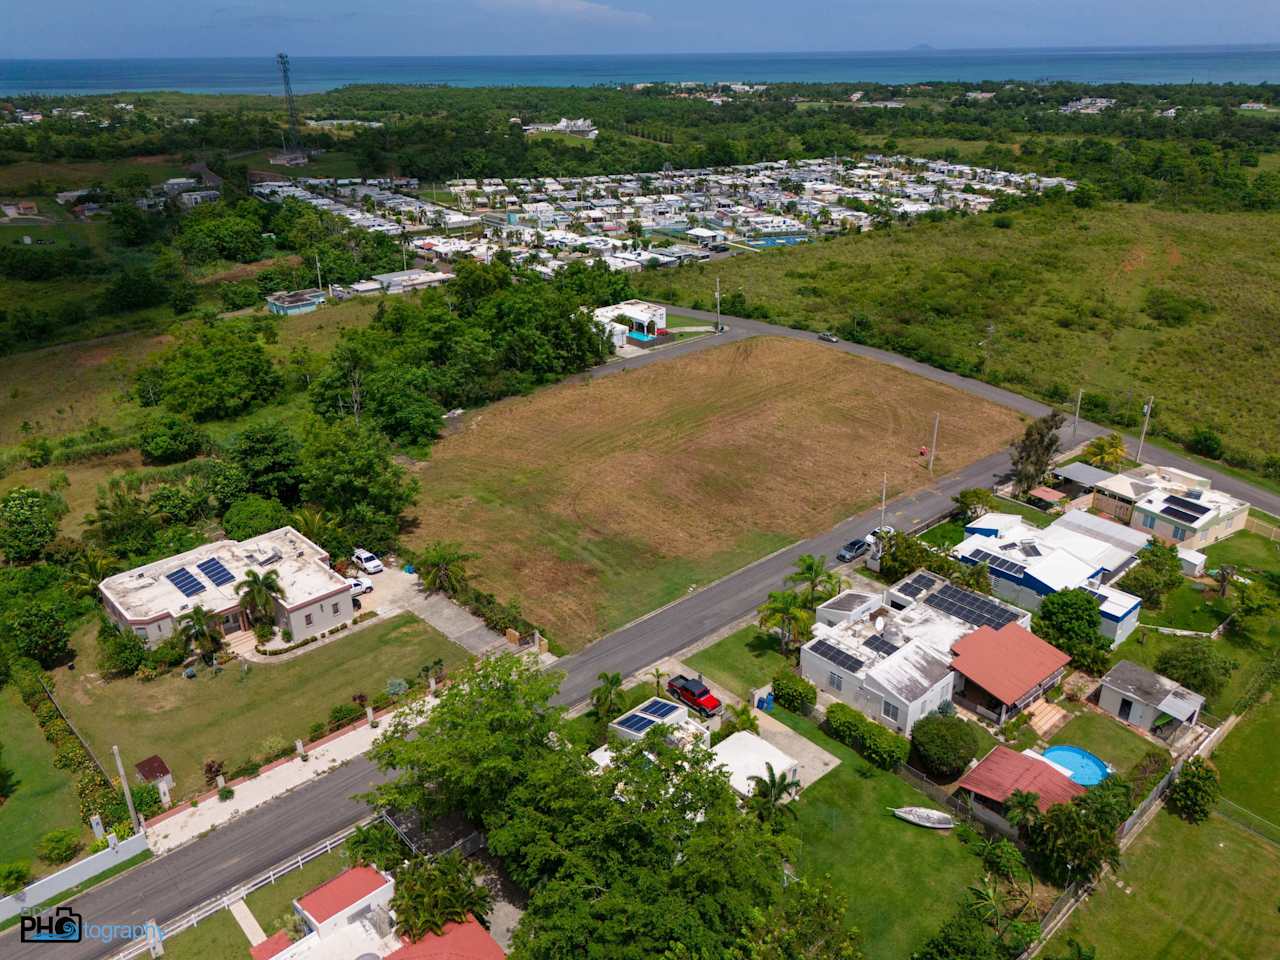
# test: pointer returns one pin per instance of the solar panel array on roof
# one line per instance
(659, 708)
(1030, 550)
(1182, 503)
(1181, 516)
(215, 571)
(833, 654)
(880, 645)
(970, 607)
(998, 563)
(917, 585)
(184, 580)
(636, 723)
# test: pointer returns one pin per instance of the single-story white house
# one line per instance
(745, 755)
(638, 316)
(1173, 506)
(1146, 699)
(151, 599)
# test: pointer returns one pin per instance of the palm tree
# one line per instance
(771, 793)
(1022, 809)
(258, 593)
(819, 583)
(657, 673)
(198, 630)
(314, 524)
(989, 904)
(786, 610)
(604, 698)
(741, 717)
(442, 566)
(1107, 452)
(89, 569)
(434, 891)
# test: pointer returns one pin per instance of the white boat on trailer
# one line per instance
(924, 817)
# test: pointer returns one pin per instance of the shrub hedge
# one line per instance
(880, 745)
(795, 693)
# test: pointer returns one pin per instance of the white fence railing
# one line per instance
(194, 916)
(47, 888)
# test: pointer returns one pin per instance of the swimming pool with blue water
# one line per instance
(1086, 769)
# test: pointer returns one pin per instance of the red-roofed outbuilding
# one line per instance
(1003, 771)
(1005, 670)
(339, 894)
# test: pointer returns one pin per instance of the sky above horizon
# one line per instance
(162, 28)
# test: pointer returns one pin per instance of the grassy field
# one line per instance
(742, 661)
(44, 798)
(1055, 301)
(227, 715)
(1189, 607)
(1203, 892)
(334, 163)
(274, 902)
(1246, 551)
(1246, 762)
(945, 535)
(598, 501)
(217, 938)
(83, 480)
(1106, 738)
(72, 176)
(902, 882)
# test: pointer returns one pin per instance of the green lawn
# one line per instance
(44, 798)
(902, 881)
(676, 321)
(272, 903)
(1247, 761)
(1105, 738)
(1206, 892)
(1033, 516)
(742, 661)
(1189, 607)
(217, 938)
(944, 535)
(1246, 551)
(226, 716)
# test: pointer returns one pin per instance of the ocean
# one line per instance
(314, 74)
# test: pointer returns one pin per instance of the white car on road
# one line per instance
(366, 561)
(360, 585)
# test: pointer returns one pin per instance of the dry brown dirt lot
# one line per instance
(592, 503)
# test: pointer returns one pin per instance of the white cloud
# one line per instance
(583, 11)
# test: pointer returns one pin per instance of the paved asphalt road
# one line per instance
(168, 886)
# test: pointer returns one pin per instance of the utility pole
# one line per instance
(933, 447)
(884, 497)
(1076, 424)
(128, 794)
(719, 325)
(1145, 423)
(319, 284)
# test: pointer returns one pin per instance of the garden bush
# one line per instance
(14, 876)
(59, 846)
(343, 714)
(794, 693)
(945, 745)
(1195, 793)
(880, 745)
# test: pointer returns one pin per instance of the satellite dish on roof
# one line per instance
(879, 624)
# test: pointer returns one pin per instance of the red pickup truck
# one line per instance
(694, 694)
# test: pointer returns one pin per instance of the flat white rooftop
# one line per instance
(152, 592)
(745, 755)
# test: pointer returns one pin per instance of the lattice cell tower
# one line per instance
(295, 143)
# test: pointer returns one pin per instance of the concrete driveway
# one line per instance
(395, 591)
(812, 761)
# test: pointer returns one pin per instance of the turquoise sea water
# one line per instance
(310, 74)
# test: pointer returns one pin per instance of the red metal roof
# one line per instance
(1003, 771)
(1008, 662)
(152, 769)
(278, 942)
(458, 941)
(344, 890)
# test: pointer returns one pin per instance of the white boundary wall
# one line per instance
(68, 877)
